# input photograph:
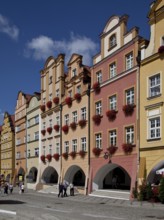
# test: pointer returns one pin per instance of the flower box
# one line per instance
(56, 127)
(96, 119)
(43, 132)
(161, 49)
(82, 153)
(49, 104)
(73, 125)
(77, 96)
(49, 130)
(68, 101)
(73, 154)
(128, 109)
(96, 87)
(112, 149)
(43, 108)
(65, 155)
(65, 128)
(96, 151)
(42, 157)
(56, 156)
(111, 114)
(56, 100)
(127, 147)
(49, 157)
(82, 123)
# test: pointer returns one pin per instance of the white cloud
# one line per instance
(42, 47)
(5, 27)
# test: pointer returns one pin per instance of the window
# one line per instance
(112, 102)
(18, 141)
(18, 128)
(83, 144)
(98, 107)
(28, 123)
(78, 89)
(37, 152)
(98, 140)
(50, 149)
(154, 85)
(18, 155)
(44, 101)
(66, 146)
(57, 93)
(129, 61)
(112, 41)
(154, 128)
(36, 135)
(58, 120)
(28, 154)
(44, 126)
(70, 93)
(74, 116)
(113, 138)
(74, 145)
(66, 119)
(28, 138)
(74, 72)
(112, 70)
(83, 113)
(50, 79)
(57, 148)
(99, 76)
(50, 123)
(130, 96)
(129, 135)
(37, 119)
(50, 97)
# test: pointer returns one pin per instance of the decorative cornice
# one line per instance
(156, 105)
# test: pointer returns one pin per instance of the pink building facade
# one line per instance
(114, 98)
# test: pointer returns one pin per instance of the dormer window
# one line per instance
(74, 73)
(112, 41)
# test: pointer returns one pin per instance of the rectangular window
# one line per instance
(57, 148)
(36, 119)
(50, 97)
(28, 138)
(154, 128)
(28, 123)
(78, 89)
(74, 72)
(44, 101)
(57, 120)
(129, 61)
(129, 134)
(18, 141)
(98, 140)
(74, 145)
(66, 119)
(66, 146)
(112, 41)
(113, 138)
(112, 70)
(50, 79)
(83, 144)
(154, 85)
(112, 102)
(98, 108)
(50, 123)
(36, 135)
(83, 113)
(130, 96)
(50, 149)
(18, 155)
(57, 93)
(74, 116)
(36, 152)
(99, 76)
(70, 93)
(44, 126)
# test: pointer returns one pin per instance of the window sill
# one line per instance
(155, 96)
(112, 47)
(153, 139)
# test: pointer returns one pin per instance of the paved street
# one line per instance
(33, 205)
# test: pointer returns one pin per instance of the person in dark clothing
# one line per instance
(60, 190)
(65, 189)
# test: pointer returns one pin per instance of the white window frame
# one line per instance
(50, 97)
(129, 93)
(44, 125)
(57, 93)
(74, 116)
(57, 147)
(74, 72)
(129, 134)
(74, 145)
(66, 119)
(50, 79)
(66, 146)
(36, 150)
(98, 140)
(36, 135)
(78, 89)
(156, 85)
(112, 41)
(50, 149)
(57, 119)
(83, 113)
(84, 144)
(112, 69)
(99, 76)
(36, 119)
(156, 128)
(50, 123)
(98, 108)
(113, 102)
(113, 138)
(129, 60)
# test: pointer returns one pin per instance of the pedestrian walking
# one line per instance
(65, 188)
(60, 190)
(71, 189)
(11, 188)
(22, 187)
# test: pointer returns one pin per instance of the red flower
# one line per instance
(43, 132)
(161, 49)
(128, 109)
(82, 153)
(73, 125)
(112, 149)
(56, 127)
(43, 108)
(49, 104)
(82, 123)
(96, 151)
(68, 101)
(127, 147)
(65, 155)
(77, 96)
(56, 156)
(96, 87)
(111, 114)
(73, 154)
(49, 130)
(65, 128)
(96, 119)
(56, 100)
(42, 157)
(49, 157)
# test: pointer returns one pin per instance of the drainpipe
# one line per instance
(61, 108)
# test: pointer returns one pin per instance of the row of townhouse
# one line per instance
(90, 124)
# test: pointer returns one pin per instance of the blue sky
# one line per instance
(33, 30)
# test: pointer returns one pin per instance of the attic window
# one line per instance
(112, 41)
(74, 72)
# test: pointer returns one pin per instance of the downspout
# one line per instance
(61, 108)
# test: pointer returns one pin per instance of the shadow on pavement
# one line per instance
(15, 202)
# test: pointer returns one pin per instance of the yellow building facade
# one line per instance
(152, 97)
(8, 147)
